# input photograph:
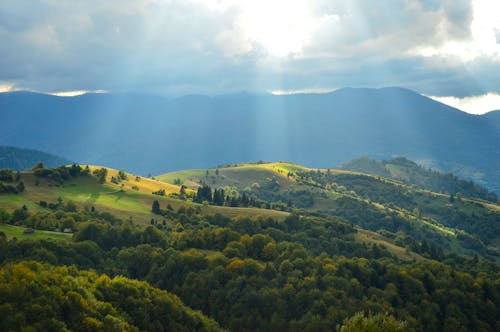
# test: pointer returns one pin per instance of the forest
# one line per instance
(189, 270)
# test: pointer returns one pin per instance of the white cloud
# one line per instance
(484, 36)
(474, 105)
(75, 93)
(6, 87)
(279, 92)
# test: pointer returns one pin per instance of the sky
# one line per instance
(448, 50)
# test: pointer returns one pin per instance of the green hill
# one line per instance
(22, 159)
(409, 172)
(129, 198)
(407, 211)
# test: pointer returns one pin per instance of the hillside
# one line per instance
(22, 159)
(407, 171)
(129, 198)
(405, 212)
(318, 130)
(45, 298)
(269, 246)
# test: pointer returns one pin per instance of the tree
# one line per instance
(86, 171)
(75, 170)
(101, 174)
(20, 187)
(372, 323)
(204, 193)
(219, 197)
(155, 208)
(39, 165)
(122, 175)
(182, 191)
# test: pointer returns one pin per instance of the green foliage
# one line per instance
(372, 323)
(204, 193)
(7, 184)
(478, 224)
(122, 175)
(160, 192)
(101, 174)
(254, 273)
(409, 172)
(40, 297)
(6, 175)
(308, 271)
(155, 208)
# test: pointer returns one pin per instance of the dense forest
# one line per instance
(191, 270)
(22, 159)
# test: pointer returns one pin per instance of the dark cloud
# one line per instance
(179, 47)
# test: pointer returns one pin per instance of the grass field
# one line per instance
(130, 199)
(18, 232)
(241, 176)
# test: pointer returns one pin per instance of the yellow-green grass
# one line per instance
(123, 202)
(138, 183)
(366, 236)
(283, 167)
(18, 232)
(242, 175)
(189, 177)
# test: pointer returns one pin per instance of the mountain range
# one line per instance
(318, 130)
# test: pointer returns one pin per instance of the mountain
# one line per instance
(319, 130)
(21, 159)
(493, 117)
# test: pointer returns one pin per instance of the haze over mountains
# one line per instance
(318, 130)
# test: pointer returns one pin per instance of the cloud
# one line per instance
(6, 87)
(219, 46)
(475, 104)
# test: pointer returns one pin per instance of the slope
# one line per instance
(308, 271)
(409, 172)
(404, 213)
(129, 198)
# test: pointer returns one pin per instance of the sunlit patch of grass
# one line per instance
(18, 232)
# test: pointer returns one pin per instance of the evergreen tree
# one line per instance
(182, 191)
(155, 208)
(204, 193)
